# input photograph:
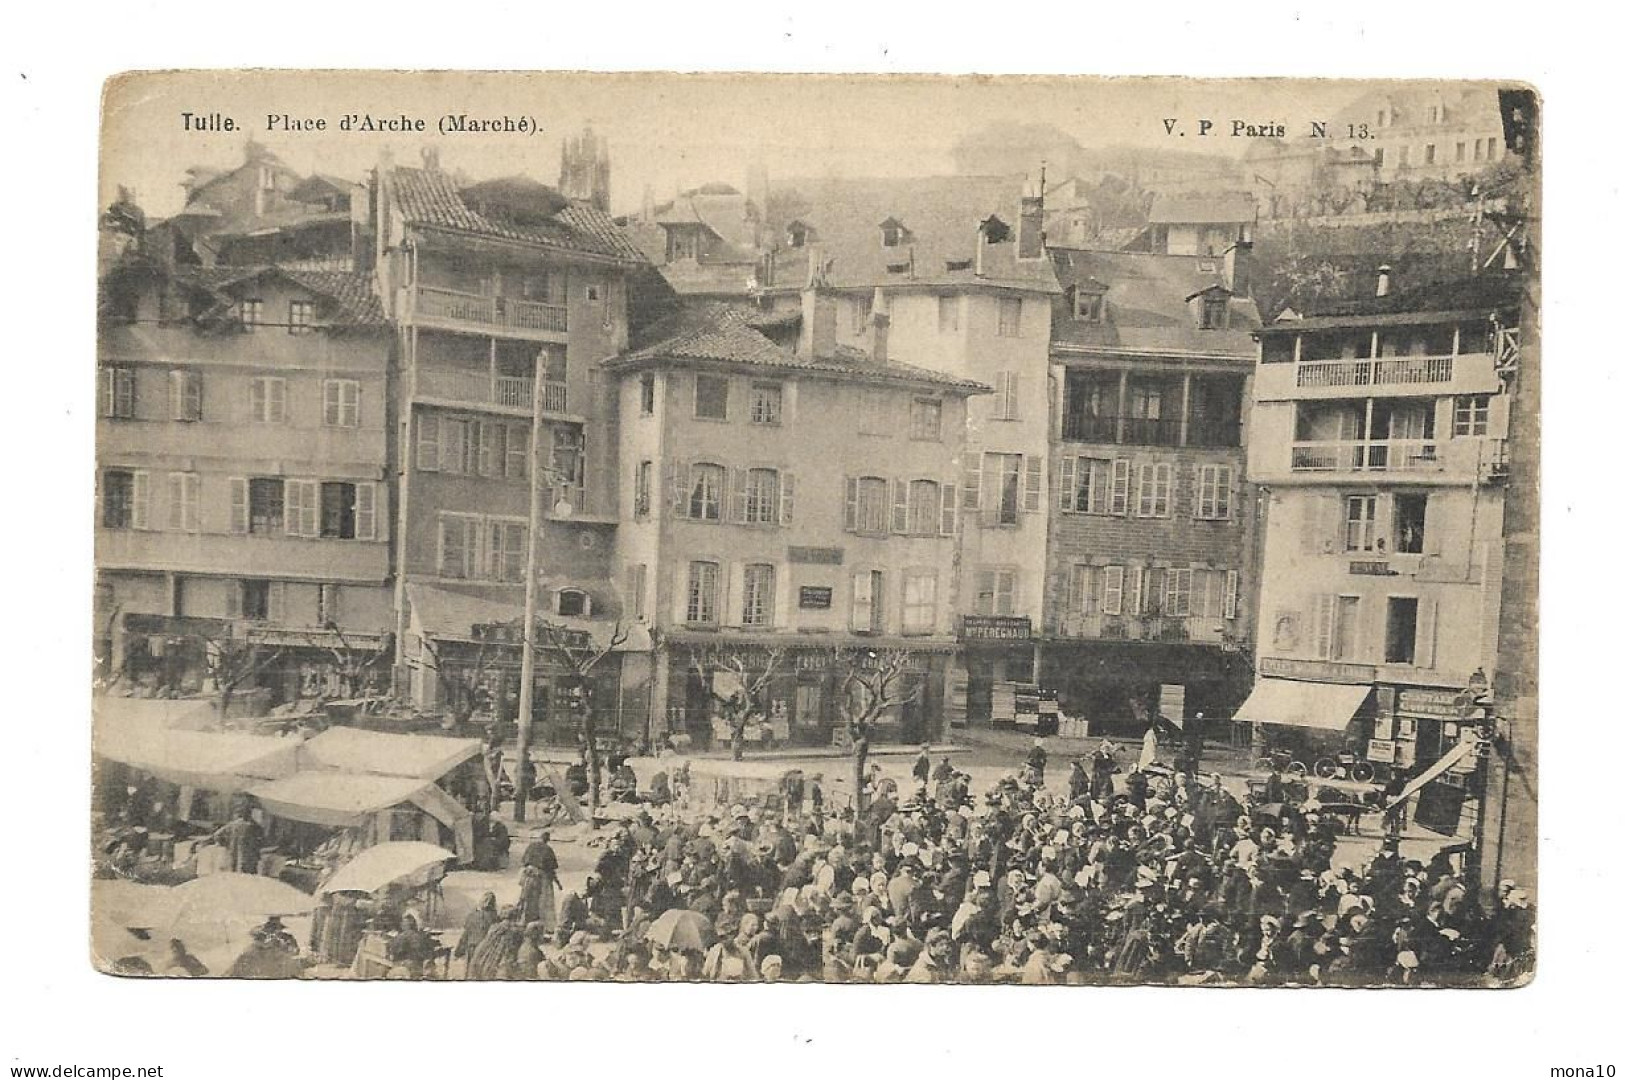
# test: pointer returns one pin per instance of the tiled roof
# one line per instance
(1147, 303)
(725, 333)
(431, 198)
(942, 215)
(354, 298)
(1434, 301)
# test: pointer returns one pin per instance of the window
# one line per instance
(1433, 114)
(710, 397)
(1119, 492)
(639, 588)
(184, 489)
(1156, 490)
(1010, 316)
(1213, 493)
(268, 400)
(1085, 483)
(766, 403)
(118, 393)
(1215, 312)
(1377, 157)
(516, 452)
(301, 508)
(505, 551)
(866, 505)
(868, 613)
(1400, 644)
(758, 601)
(1410, 523)
(1232, 593)
(948, 314)
(1001, 486)
(341, 403)
(185, 395)
(872, 418)
(124, 499)
(1489, 149)
(702, 593)
(1088, 306)
(1080, 589)
(1111, 591)
(1345, 633)
(761, 496)
(925, 420)
(891, 234)
(642, 489)
(264, 507)
(862, 309)
(1478, 149)
(705, 492)
(924, 507)
(251, 313)
(1461, 151)
(1429, 152)
(1472, 415)
(458, 445)
(995, 592)
(327, 604)
(254, 600)
(338, 511)
(919, 601)
(459, 546)
(1360, 524)
(572, 602)
(1176, 599)
(1006, 401)
(301, 316)
(646, 394)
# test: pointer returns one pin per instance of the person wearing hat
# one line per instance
(496, 956)
(936, 961)
(411, 948)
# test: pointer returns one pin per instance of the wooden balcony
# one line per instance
(1172, 629)
(1389, 455)
(502, 315)
(481, 388)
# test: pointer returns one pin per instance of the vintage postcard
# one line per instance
(849, 529)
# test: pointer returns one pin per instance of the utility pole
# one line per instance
(533, 549)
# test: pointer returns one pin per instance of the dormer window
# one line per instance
(796, 234)
(996, 231)
(1088, 306)
(572, 602)
(1213, 311)
(892, 233)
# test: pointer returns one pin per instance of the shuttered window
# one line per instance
(185, 395)
(341, 403)
(1213, 492)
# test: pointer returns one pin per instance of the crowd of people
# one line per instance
(1145, 877)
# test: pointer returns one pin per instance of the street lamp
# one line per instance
(533, 546)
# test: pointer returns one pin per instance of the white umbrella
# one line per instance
(384, 864)
(235, 896)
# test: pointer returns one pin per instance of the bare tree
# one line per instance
(352, 662)
(580, 653)
(744, 703)
(463, 681)
(871, 683)
(232, 662)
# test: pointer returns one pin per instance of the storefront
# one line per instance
(993, 649)
(797, 689)
(1119, 686)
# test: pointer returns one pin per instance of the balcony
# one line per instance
(482, 388)
(1137, 430)
(432, 306)
(1388, 376)
(1387, 371)
(1168, 629)
(1084, 428)
(1391, 455)
(273, 556)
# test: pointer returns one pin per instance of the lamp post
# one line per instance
(533, 558)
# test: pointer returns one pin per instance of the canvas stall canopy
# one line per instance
(424, 757)
(135, 733)
(336, 799)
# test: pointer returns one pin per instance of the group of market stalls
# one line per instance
(376, 787)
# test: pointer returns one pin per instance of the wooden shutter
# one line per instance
(1427, 621)
(489, 453)
(1120, 478)
(234, 599)
(278, 400)
(453, 445)
(366, 512)
(1142, 491)
(104, 390)
(350, 403)
(299, 508)
(257, 389)
(1112, 597)
(899, 507)
(428, 443)
(1078, 588)
(1163, 496)
(1324, 612)
(1232, 591)
(332, 408)
(276, 601)
(971, 482)
(950, 509)
(734, 509)
(177, 500)
(849, 518)
(1067, 491)
(1433, 527)
(1033, 496)
(239, 504)
(677, 488)
(787, 504)
(1136, 590)
(1004, 597)
(1001, 394)
(1322, 524)
(138, 500)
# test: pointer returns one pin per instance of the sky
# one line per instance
(666, 131)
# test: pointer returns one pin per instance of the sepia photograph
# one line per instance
(844, 529)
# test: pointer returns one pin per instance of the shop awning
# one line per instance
(1289, 702)
(451, 616)
(423, 757)
(226, 762)
(335, 799)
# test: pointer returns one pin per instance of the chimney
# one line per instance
(880, 323)
(1238, 268)
(648, 203)
(817, 322)
(1382, 279)
(431, 158)
(981, 246)
(1030, 225)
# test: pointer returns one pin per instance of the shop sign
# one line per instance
(1316, 670)
(817, 597)
(817, 556)
(995, 628)
(1430, 704)
(1370, 568)
(1380, 750)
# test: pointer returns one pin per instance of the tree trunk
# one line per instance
(589, 729)
(860, 765)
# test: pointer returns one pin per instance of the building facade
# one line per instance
(762, 535)
(1378, 432)
(507, 296)
(244, 473)
(1146, 590)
